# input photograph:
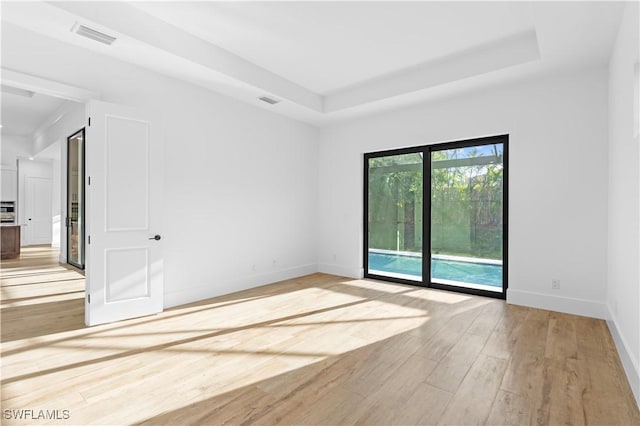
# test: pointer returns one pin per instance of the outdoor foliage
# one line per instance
(395, 202)
(466, 210)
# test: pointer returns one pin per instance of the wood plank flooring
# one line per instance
(315, 350)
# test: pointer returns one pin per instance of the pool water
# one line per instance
(451, 270)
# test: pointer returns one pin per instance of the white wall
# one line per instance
(240, 190)
(623, 293)
(14, 147)
(68, 120)
(558, 181)
(240, 182)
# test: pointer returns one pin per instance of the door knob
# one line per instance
(156, 237)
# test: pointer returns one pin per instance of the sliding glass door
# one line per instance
(465, 212)
(395, 227)
(467, 216)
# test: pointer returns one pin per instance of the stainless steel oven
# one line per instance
(7, 212)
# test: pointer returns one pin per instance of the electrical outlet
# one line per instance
(555, 284)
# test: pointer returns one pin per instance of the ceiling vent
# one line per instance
(268, 100)
(93, 34)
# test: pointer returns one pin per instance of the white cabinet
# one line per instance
(9, 190)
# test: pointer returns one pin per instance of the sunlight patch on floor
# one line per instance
(244, 343)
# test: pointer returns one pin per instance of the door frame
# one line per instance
(426, 151)
(365, 210)
(84, 197)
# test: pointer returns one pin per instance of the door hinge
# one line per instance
(89, 121)
(88, 298)
(89, 239)
(89, 181)
(68, 221)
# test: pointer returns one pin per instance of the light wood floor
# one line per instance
(315, 350)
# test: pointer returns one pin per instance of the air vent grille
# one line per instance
(268, 100)
(93, 34)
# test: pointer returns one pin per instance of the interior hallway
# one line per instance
(318, 349)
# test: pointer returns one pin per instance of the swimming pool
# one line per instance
(444, 269)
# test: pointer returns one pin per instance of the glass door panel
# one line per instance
(467, 206)
(75, 199)
(394, 216)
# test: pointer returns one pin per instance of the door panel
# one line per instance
(124, 261)
(467, 217)
(127, 174)
(125, 278)
(394, 219)
(38, 210)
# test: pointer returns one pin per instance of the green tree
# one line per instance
(466, 201)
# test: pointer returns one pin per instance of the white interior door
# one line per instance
(38, 217)
(124, 268)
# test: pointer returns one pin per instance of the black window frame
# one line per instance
(81, 241)
(426, 151)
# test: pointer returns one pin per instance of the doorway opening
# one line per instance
(75, 220)
(436, 215)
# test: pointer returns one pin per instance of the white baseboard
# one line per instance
(631, 367)
(568, 305)
(340, 271)
(226, 286)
